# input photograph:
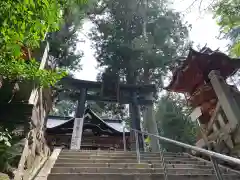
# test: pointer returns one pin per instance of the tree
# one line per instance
(115, 109)
(63, 43)
(23, 26)
(63, 47)
(138, 40)
(173, 123)
(64, 108)
(118, 39)
(228, 16)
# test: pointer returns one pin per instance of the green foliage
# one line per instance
(64, 108)
(4, 176)
(10, 156)
(121, 46)
(117, 110)
(227, 14)
(173, 123)
(118, 39)
(22, 71)
(4, 138)
(63, 43)
(24, 24)
(10, 150)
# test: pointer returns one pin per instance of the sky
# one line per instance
(204, 31)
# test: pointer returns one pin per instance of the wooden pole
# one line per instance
(226, 99)
(81, 103)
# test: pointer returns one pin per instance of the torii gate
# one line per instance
(110, 91)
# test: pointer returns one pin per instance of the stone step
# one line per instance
(153, 161)
(132, 176)
(131, 165)
(135, 165)
(87, 152)
(127, 157)
(186, 171)
(76, 155)
(85, 144)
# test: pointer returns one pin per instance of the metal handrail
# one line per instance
(136, 134)
(194, 148)
(124, 139)
(213, 155)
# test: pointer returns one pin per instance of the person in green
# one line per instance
(147, 143)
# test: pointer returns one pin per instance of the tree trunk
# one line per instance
(149, 122)
(134, 111)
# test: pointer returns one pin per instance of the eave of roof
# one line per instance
(58, 121)
(195, 69)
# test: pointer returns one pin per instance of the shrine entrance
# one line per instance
(109, 90)
(97, 133)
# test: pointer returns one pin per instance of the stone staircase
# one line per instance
(101, 142)
(119, 165)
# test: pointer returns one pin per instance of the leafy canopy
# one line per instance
(227, 13)
(24, 24)
(10, 150)
(63, 43)
(174, 123)
(120, 44)
(64, 108)
(118, 37)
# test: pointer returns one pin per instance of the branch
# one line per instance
(200, 5)
(98, 11)
(191, 5)
(210, 4)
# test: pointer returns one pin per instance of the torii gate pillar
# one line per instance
(78, 122)
(150, 124)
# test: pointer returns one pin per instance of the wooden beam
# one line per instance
(90, 97)
(46, 170)
(196, 113)
(121, 101)
(222, 134)
(213, 118)
(70, 82)
(226, 99)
